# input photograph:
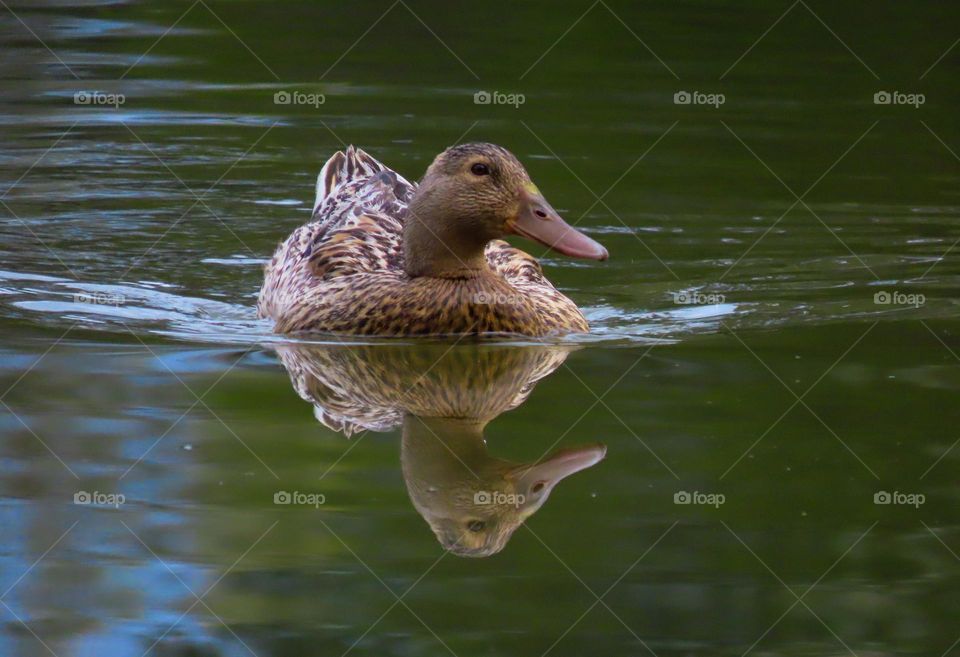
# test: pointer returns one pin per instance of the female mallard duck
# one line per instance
(383, 256)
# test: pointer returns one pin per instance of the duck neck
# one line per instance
(442, 450)
(439, 243)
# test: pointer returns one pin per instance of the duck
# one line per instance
(442, 399)
(383, 256)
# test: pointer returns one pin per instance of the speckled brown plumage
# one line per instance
(371, 387)
(344, 271)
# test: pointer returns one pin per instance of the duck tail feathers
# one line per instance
(343, 167)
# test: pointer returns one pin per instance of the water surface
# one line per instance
(775, 335)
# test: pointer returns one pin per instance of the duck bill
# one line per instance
(538, 221)
(558, 466)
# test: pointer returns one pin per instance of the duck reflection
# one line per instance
(442, 398)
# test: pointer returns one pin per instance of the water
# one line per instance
(742, 357)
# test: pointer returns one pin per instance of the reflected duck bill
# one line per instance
(544, 475)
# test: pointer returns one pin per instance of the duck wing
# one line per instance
(358, 216)
(352, 183)
(357, 225)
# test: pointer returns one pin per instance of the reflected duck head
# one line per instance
(472, 501)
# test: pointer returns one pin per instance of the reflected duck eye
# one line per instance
(476, 525)
(480, 169)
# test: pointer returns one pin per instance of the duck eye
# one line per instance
(480, 169)
(476, 526)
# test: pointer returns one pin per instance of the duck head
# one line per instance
(472, 500)
(472, 194)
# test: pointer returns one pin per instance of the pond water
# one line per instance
(758, 440)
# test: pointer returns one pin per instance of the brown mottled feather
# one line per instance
(371, 387)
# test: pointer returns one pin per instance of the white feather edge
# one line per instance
(360, 170)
